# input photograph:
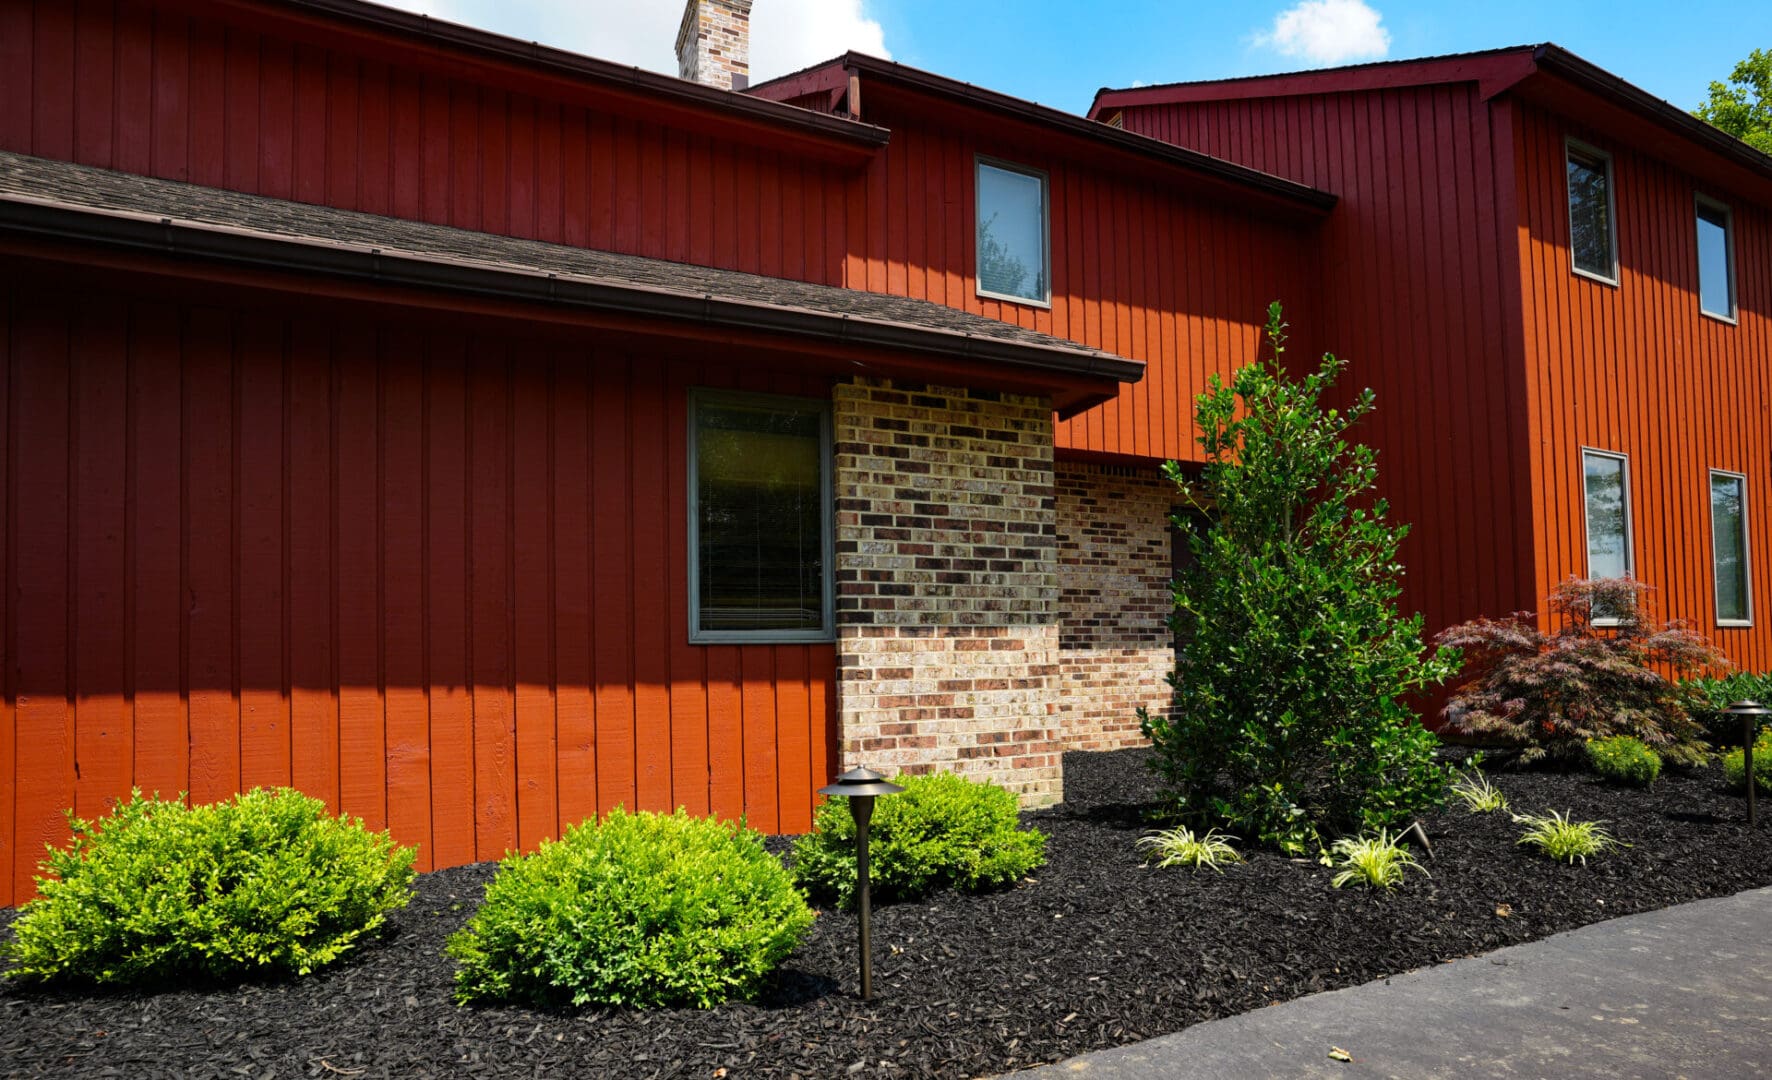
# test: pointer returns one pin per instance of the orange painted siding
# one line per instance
(436, 579)
(1637, 369)
(1414, 293)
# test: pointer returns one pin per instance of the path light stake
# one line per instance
(859, 785)
(1752, 714)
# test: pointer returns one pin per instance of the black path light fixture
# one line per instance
(1752, 714)
(860, 785)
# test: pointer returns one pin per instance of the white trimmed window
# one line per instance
(1716, 259)
(1729, 551)
(1593, 232)
(1606, 491)
(760, 532)
(1014, 260)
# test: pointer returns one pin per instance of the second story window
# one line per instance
(1013, 261)
(1593, 241)
(1716, 259)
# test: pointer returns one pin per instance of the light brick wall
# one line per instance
(714, 43)
(1113, 577)
(947, 584)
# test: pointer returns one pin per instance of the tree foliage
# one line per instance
(1288, 719)
(1743, 105)
(1597, 675)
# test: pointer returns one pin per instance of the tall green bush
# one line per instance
(943, 831)
(265, 883)
(638, 909)
(1288, 717)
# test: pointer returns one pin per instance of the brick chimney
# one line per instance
(714, 43)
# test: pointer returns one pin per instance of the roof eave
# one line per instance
(59, 221)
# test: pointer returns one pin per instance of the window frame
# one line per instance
(1747, 562)
(1701, 200)
(1571, 147)
(699, 396)
(1630, 533)
(979, 161)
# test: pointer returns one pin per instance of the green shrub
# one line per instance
(1599, 674)
(266, 883)
(1624, 760)
(1478, 794)
(944, 830)
(1180, 847)
(1711, 695)
(1564, 840)
(1735, 765)
(639, 909)
(1376, 862)
(1289, 716)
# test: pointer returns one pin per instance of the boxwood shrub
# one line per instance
(1624, 760)
(1735, 765)
(266, 883)
(944, 830)
(640, 910)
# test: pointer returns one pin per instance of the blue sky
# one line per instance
(1059, 51)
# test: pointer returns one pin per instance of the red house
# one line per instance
(480, 436)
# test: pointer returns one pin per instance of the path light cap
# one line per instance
(861, 781)
(1748, 708)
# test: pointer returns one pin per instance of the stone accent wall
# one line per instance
(714, 43)
(947, 584)
(1113, 578)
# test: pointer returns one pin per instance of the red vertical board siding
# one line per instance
(313, 709)
(612, 590)
(357, 599)
(265, 746)
(446, 601)
(403, 592)
(8, 643)
(489, 576)
(537, 765)
(576, 729)
(1637, 369)
(102, 735)
(209, 548)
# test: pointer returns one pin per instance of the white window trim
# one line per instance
(1045, 225)
(1630, 532)
(1747, 561)
(828, 632)
(1701, 199)
(1570, 143)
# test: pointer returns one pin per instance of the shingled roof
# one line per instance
(78, 202)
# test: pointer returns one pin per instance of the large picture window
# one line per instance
(1013, 263)
(1606, 487)
(1729, 553)
(1592, 235)
(759, 518)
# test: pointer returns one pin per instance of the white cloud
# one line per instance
(786, 35)
(1328, 32)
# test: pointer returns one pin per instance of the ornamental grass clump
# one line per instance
(1735, 765)
(1624, 760)
(1180, 847)
(1478, 794)
(943, 831)
(1377, 862)
(640, 910)
(268, 883)
(1596, 676)
(1554, 834)
(1290, 718)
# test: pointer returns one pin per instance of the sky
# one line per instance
(1058, 52)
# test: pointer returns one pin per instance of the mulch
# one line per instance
(1098, 950)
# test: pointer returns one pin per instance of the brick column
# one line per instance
(947, 634)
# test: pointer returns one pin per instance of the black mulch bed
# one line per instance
(1098, 951)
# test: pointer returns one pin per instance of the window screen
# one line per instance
(1012, 259)
(760, 514)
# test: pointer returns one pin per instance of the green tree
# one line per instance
(1743, 106)
(1288, 721)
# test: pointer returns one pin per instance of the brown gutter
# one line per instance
(497, 47)
(1573, 69)
(246, 247)
(1296, 194)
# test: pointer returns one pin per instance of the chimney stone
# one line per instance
(714, 43)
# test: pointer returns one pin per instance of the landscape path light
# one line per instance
(1752, 714)
(860, 785)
